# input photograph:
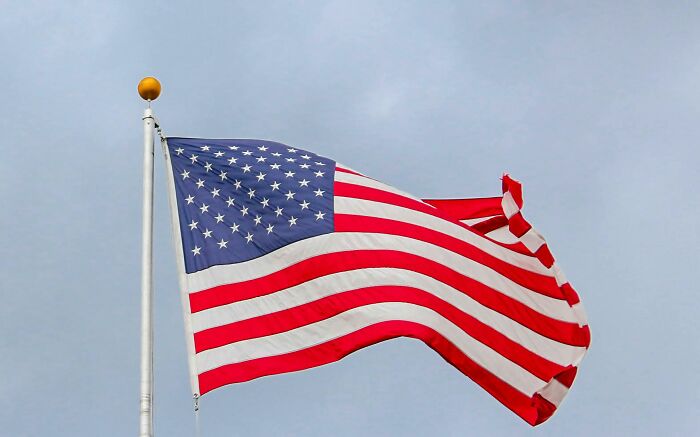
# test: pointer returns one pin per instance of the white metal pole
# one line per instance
(146, 407)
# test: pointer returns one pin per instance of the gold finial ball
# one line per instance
(149, 88)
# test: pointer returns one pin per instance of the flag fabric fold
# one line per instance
(290, 260)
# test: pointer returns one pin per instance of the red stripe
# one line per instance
(571, 295)
(347, 170)
(542, 284)
(333, 305)
(515, 189)
(462, 209)
(491, 224)
(545, 256)
(515, 247)
(518, 226)
(533, 410)
(567, 377)
(322, 265)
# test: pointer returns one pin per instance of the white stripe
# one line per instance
(503, 235)
(554, 392)
(345, 167)
(580, 313)
(358, 318)
(370, 208)
(532, 240)
(371, 183)
(510, 208)
(559, 274)
(347, 241)
(473, 221)
(339, 282)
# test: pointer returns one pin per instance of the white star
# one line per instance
(278, 211)
(269, 229)
(205, 148)
(305, 156)
(222, 175)
(200, 183)
(249, 237)
(207, 233)
(222, 244)
(247, 153)
(251, 193)
(207, 166)
(233, 147)
(193, 225)
(193, 158)
(290, 195)
(304, 166)
(275, 166)
(189, 199)
(304, 205)
(292, 221)
(319, 215)
(265, 202)
(229, 202)
(204, 208)
(261, 159)
(179, 151)
(232, 161)
(319, 193)
(262, 148)
(237, 184)
(185, 174)
(290, 159)
(257, 220)
(303, 183)
(219, 218)
(319, 174)
(215, 192)
(289, 174)
(320, 163)
(219, 154)
(244, 211)
(196, 250)
(292, 150)
(246, 168)
(275, 186)
(276, 154)
(234, 228)
(261, 176)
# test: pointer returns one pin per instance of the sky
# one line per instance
(594, 106)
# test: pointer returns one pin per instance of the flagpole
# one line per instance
(149, 89)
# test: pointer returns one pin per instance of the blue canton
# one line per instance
(240, 199)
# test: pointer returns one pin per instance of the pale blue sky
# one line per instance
(595, 107)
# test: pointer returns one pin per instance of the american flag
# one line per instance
(290, 260)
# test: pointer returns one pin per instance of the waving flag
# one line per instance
(290, 260)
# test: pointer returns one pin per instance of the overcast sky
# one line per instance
(595, 108)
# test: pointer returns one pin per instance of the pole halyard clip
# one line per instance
(160, 132)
